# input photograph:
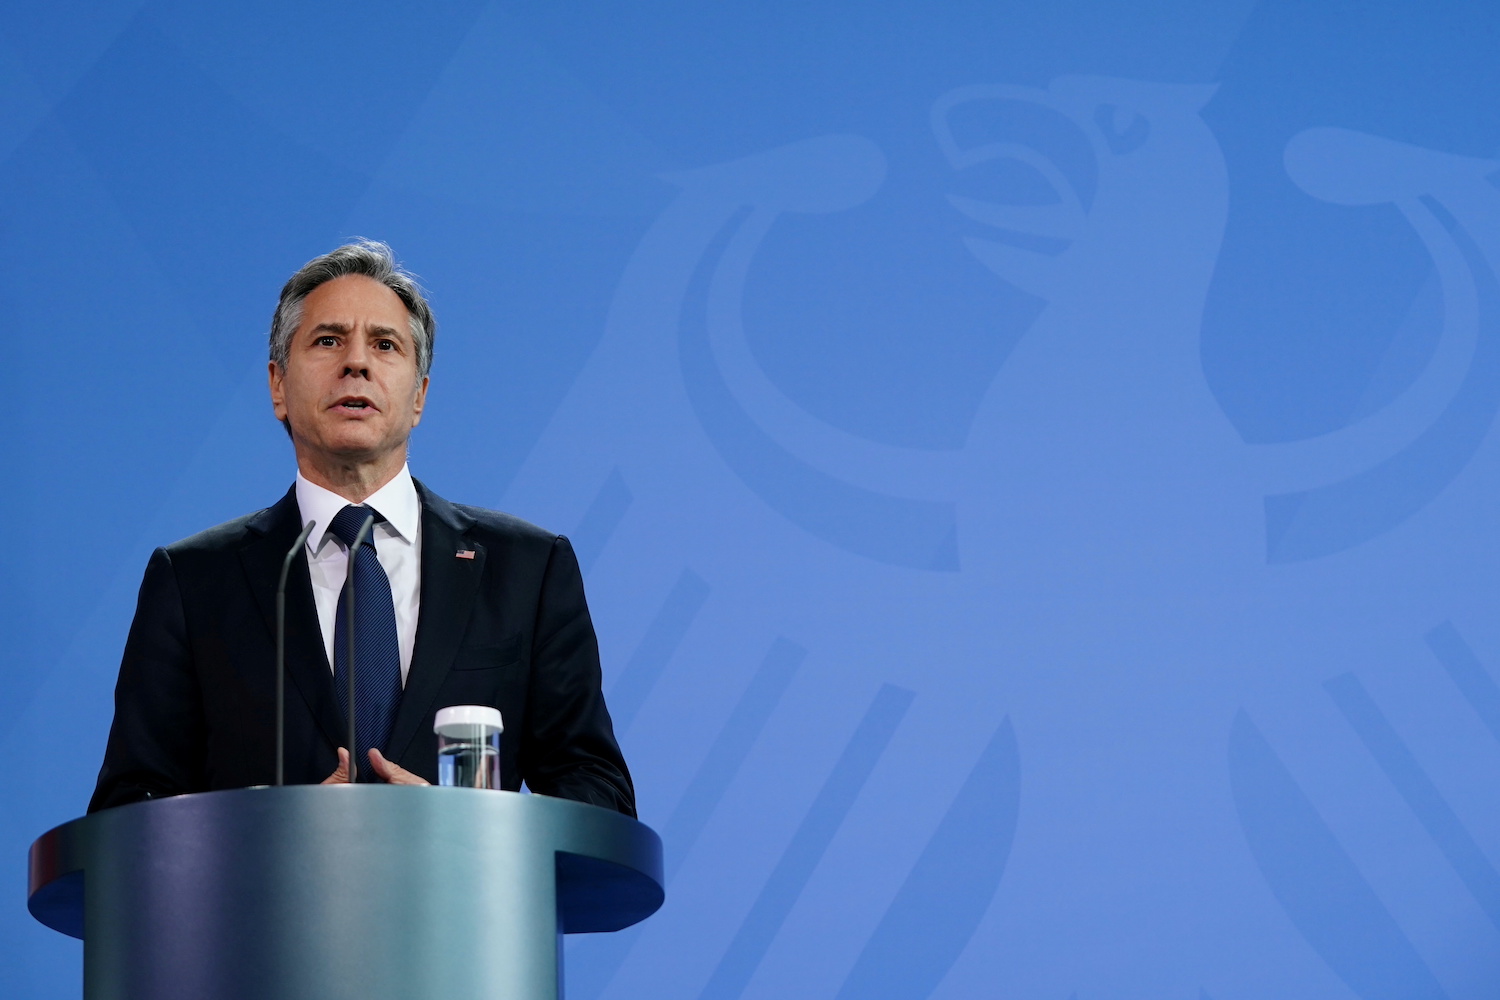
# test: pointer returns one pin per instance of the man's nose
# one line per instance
(357, 358)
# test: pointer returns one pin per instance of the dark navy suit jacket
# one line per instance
(195, 701)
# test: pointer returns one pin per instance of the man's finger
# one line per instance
(394, 773)
(340, 775)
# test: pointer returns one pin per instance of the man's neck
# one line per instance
(354, 481)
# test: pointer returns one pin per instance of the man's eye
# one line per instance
(327, 342)
(386, 345)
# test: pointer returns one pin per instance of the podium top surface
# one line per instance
(300, 840)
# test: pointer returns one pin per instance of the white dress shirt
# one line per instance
(398, 543)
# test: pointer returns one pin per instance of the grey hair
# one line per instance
(372, 259)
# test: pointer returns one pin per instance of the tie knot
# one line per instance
(347, 522)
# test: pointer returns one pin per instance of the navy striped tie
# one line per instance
(377, 651)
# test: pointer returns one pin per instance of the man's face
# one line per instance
(350, 387)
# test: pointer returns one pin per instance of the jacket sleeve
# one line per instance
(568, 744)
(156, 742)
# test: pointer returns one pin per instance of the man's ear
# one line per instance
(420, 401)
(276, 375)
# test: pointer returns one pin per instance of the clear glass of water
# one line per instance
(469, 746)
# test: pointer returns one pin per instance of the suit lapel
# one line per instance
(272, 533)
(448, 588)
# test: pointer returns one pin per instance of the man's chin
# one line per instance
(350, 449)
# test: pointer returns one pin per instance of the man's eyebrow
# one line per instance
(331, 328)
(384, 331)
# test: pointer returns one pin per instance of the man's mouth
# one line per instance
(355, 404)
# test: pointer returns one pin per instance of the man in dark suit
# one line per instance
(455, 605)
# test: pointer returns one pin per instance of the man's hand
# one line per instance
(394, 774)
(340, 775)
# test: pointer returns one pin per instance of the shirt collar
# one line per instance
(396, 501)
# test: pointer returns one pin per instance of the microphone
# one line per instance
(359, 541)
(286, 569)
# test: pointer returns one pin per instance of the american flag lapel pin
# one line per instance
(465, 553)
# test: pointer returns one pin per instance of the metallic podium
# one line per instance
(359, 891)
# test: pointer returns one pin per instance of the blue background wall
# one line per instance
(1034, 464)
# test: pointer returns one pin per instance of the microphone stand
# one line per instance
(286, 569)
(359, 541)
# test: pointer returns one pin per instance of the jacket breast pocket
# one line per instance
(492, 656)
